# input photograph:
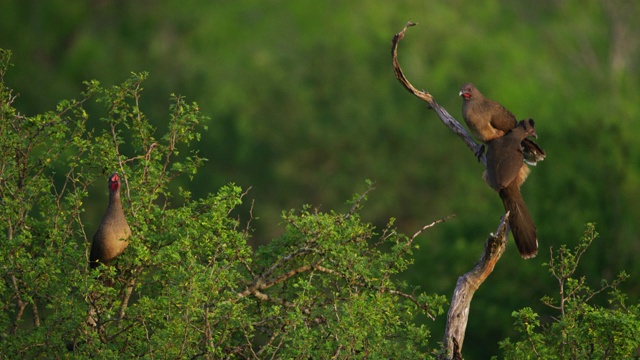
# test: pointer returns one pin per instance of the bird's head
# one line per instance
(468, 91)
(114, 182)
(529, 128)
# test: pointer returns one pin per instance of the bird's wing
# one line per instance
(501, 119)
(504, 160)
(507, 170)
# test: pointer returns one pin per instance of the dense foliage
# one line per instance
(189, 284)
(301, 104)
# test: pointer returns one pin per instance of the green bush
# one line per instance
(580, 330)
(188, 285)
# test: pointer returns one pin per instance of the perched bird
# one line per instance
(505, 173)
(111, 238)
(488, 120)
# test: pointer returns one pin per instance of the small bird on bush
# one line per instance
(111, 238)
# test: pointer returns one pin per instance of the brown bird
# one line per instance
(111, 238)
(488, 120)
(505, 173)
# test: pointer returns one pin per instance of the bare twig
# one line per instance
(421, 230)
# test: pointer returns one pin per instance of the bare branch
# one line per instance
(417, 233)
(446, 118)
(467, 285)
(420, 231)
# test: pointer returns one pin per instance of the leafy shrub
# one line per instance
(581, 330)
(188, 285)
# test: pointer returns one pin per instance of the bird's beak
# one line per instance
(460, 93)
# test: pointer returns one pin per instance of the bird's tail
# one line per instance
(520, 222)
(532, 152)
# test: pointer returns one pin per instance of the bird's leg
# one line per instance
(479, 152)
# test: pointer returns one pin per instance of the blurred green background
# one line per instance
(304, 107)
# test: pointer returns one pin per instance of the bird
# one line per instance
(112, 235)
(505, 174)
(488, 120)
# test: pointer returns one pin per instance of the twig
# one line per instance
(381, 289)
(262, 284)
(421, 230)
(130, 285)
(356, 204)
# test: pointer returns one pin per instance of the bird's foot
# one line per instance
(479, 152)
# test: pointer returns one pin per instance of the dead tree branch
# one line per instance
(467, 285)
(446, 118)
